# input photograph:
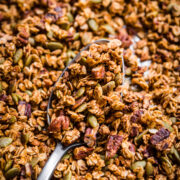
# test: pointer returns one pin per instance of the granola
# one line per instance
(38, 39)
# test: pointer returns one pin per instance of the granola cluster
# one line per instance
(131, 130)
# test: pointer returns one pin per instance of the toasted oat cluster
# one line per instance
(131, 130)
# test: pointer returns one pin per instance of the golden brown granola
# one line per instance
(39, 38)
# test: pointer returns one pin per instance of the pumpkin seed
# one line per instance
(66, 156)
(30, 58)
(95, 1)
(15, 98)
(54, 45)
(138, 139)
(68, 61)
(93, 25)
(12, 119)
(92, 120)
(11, 173)
(2, 163)
(174, 154)
(108, 29)
(76, 36)
(70, 17)
(68, 176)
(31, 41)
(166, 125)
(25, 138)
(18, 55)
(34, 161)
(99, 89)
(81, 108)
(80, 92)
(173, 119)
(109, 86)
(8, 165)
(5, 141)
(128, 72)
(138, 164)
(29, 92)
(166, 160)
(149, 169)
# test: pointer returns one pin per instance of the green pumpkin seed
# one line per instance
(18, 55)
(128, 72)
(15, 98)
(70, 17)
(54, 45)
(71, 54)
(81, 108)
(8, 165)
(2, 163)
(92, 120)
(13, 119)
(25, 138)
(166, 125)
(68, 61)
(99, 89)
(68, 176)
(174, 154)
(108, 29)
(31, 41)
(95, 1)
(5, 141)
(80, 92)
(173, 120)
(138, 164)
(34, 161)
(66, 156)
(30, 59)
(167, 161)
(93, 25)
(29, 92)
(149, 169)
(76, 36)
(138, 139)
(109, 86)
(11, 173)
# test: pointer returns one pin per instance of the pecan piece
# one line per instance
(98, 72)
(113, 145)
(136, 116)
(90, 137)
(61, 121)
(82, 152)
(159, 136)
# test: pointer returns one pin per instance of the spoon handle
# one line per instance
(53, 160)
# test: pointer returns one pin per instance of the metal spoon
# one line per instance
(60, 150)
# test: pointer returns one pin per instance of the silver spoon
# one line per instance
(60, 150)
